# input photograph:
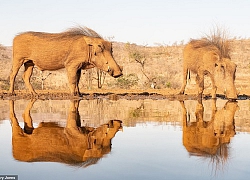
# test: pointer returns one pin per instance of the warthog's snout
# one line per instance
(115, 73)
(231, 93)
(116, 76)
(121, 68)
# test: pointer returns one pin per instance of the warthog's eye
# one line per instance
(100, 48)
(215, 65)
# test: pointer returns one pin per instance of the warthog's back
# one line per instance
(49, 51)
(197, 53)
(50, 144)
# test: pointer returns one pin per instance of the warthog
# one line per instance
(75, 49)
(73, 144)
(204, 58)
(210, 137)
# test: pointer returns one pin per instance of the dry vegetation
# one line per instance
(158, 67)
(219, 37)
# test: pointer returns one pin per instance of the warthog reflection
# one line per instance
(209, 138)
(73, 144)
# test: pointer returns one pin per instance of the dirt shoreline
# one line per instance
(114, 94)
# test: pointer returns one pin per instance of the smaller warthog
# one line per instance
(203, 137)
(75, 49)
(203, 57)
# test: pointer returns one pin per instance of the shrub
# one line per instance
(4, 84)
(127, 81)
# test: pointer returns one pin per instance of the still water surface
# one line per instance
(157, 139)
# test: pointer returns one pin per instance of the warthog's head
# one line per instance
(224, 76)
(100, 142)
(224, 122)
(102, 56)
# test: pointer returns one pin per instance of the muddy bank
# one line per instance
(111, 95)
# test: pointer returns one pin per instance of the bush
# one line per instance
(4, 84)
(127, 81)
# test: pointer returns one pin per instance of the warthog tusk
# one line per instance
(108, 68)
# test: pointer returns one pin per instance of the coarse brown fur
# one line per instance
(73, 144)
(203, 138)
(204, 57)
(75, 49)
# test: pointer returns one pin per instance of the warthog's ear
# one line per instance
(98, 46)
(89, 41)
(215, 57)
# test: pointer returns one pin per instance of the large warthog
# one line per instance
(49, 142)
(75, 49)
(203, 57)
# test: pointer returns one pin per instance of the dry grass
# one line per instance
(219, 37)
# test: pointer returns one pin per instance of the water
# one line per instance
(159, 139)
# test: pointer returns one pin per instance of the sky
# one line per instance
(144, 22)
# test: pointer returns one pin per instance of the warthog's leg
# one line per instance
(27, 74)
(28, 123)
(74, 120)
(184, 114)
(214, 88)
(15, 68)
(16, 129)
(199, 111)
(72, 78)
(184, 83)
(200, 83)
(78, 76)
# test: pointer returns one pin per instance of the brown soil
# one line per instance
(115, 94)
